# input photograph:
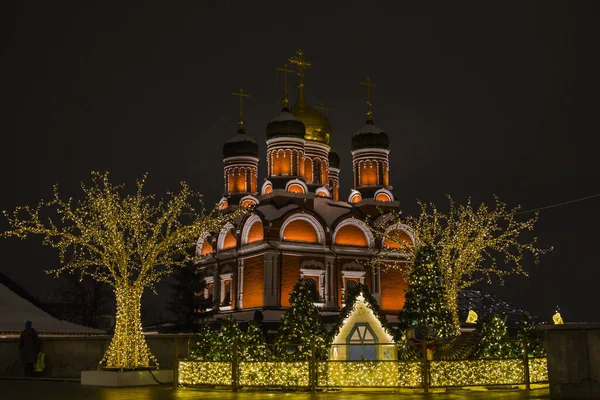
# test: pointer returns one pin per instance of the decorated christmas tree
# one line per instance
(222, 348)
(425, 303)
(495, 342)
(301, 325)
(202, 343)
(252, 348)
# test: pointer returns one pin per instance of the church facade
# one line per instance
(300, 225)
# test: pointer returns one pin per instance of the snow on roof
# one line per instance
(272, 213)
(331, 210)
(15, 310)
(369, 128)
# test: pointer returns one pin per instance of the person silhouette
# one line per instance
(29, 345)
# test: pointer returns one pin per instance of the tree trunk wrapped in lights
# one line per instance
(129, 241)
(472, 244)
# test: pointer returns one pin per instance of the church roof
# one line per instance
(370, 136)
(18, 306)
(240, 144)
(285, 125)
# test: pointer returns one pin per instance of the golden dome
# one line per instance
(318, 126)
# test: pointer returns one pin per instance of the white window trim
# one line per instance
(228, 227)
(351, 274)
(254, 218)
(225, 277)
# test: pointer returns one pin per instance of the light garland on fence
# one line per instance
(365, 373)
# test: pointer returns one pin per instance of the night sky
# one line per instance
(478, 99)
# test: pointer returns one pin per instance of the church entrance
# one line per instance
(361, 343)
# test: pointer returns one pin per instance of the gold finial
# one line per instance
(369, 85)
(241, 95)
(285, 91)
(301, 63)
(322, 108)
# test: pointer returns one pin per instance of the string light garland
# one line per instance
(129, 241)
(366, 373)
(473, 244)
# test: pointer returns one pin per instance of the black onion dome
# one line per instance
(285, 125)
(334, 159)
(240, 145)
(370, 136)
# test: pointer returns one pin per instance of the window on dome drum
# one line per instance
(226, 296)
(229, 242)
(361, 343)
(368, 173)
(313, 287)
(300, 231)
(256, 233)
(397, 239)
(206, 247)
(351, 235)
(316, 171)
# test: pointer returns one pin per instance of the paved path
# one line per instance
(45, 390)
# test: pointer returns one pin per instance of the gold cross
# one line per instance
(322, 108)
(369, 85)
(301, 63)
(285, 91)
(241, 95)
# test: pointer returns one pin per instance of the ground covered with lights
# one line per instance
(46, 390)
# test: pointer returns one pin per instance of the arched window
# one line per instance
(323, 192)
(206, 247)
(317, 171)
(384, 195)
(397, 239)
(226, 238)
(267, 187)
(229, 241)
(248, 201)
(296, 186)
(256, 234)
(302, 228)
(355, 197)
(351, 235)
(300, 231)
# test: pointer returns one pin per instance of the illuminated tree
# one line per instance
(472, 243)
(301, 325)
(495, 342)
(129, 241)
(424, 303)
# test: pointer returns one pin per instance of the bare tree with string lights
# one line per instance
(472, 244)
(129, 241)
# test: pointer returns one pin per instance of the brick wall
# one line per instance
(254, 282)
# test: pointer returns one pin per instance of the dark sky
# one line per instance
(478, 98)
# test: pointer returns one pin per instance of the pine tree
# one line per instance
(187, 298)
(222, 347)
(202, 343)
(495, 342)
(425, 304)
(301, 325)
(528, 333)
(253, 340)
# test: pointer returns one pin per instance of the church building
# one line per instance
(302, 225)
